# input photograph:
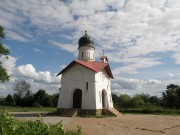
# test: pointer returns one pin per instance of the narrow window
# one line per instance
(88, 54)
(87, 85)
(82, 54)
(100, 96)
(110, 97)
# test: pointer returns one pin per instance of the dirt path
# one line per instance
(128, 124)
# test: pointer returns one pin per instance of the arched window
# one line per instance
(87, 85)
(100, 96)
(104, 99)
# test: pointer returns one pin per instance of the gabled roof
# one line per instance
(94, 66)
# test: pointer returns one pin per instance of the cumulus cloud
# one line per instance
(132, 33)
(122, 85)
(134, 64)
(152, 82)
(170, 75)
(126, 29)
(38, 80)
(29, 72)
(8, 63)
(137, 86)
(2, 86)
(176, 57)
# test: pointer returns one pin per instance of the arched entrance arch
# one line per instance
(104, 99)
(77, 98)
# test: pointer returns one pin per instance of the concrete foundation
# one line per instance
(70, 112)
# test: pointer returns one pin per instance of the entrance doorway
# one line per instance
(77, 98)
(104, 99)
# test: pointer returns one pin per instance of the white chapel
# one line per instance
(85, 83)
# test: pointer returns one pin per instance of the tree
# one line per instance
(171, 96)
(3, 51)
(115, 100)
(42, 98)
(124, 101)
(17, 100)
(21, 88)
(54, 99)
(137, 101)
(9, 100)
(154, 100)
(145, 97)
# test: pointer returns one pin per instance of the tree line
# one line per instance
(25, 98)
(170, 99)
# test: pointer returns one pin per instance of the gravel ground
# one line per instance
(128, 124)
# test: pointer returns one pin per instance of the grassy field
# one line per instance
(151, 110)
(142, 110)
(27, 109)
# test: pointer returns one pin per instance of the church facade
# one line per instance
(85, 83)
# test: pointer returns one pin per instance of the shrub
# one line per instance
(10, 126)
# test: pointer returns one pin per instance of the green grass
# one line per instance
(143, 110)
(27, 109)
(151, 110)
(54, 131)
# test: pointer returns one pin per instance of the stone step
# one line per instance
(69, 113)
(116, 113)
(112, 111)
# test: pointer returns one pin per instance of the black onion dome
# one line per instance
(86, 40)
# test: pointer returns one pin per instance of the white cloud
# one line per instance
(134, 64)
(137, 86)
(67, 47)
(37, 50)
(123, 84)
(132, 33)
(8, 63)
(62, 66)
(29, 72)
(50, 88)
(2, 86)
(176, 57)
(170, 75)
(16, 36)
(129, 29)
(158, 88)
(152, 82)
(38, 80)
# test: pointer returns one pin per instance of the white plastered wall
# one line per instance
(76, 78)
(103, 83)
(88, 53)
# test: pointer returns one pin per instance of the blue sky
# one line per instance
(140, 37)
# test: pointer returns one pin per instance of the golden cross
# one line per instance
(85, 26)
